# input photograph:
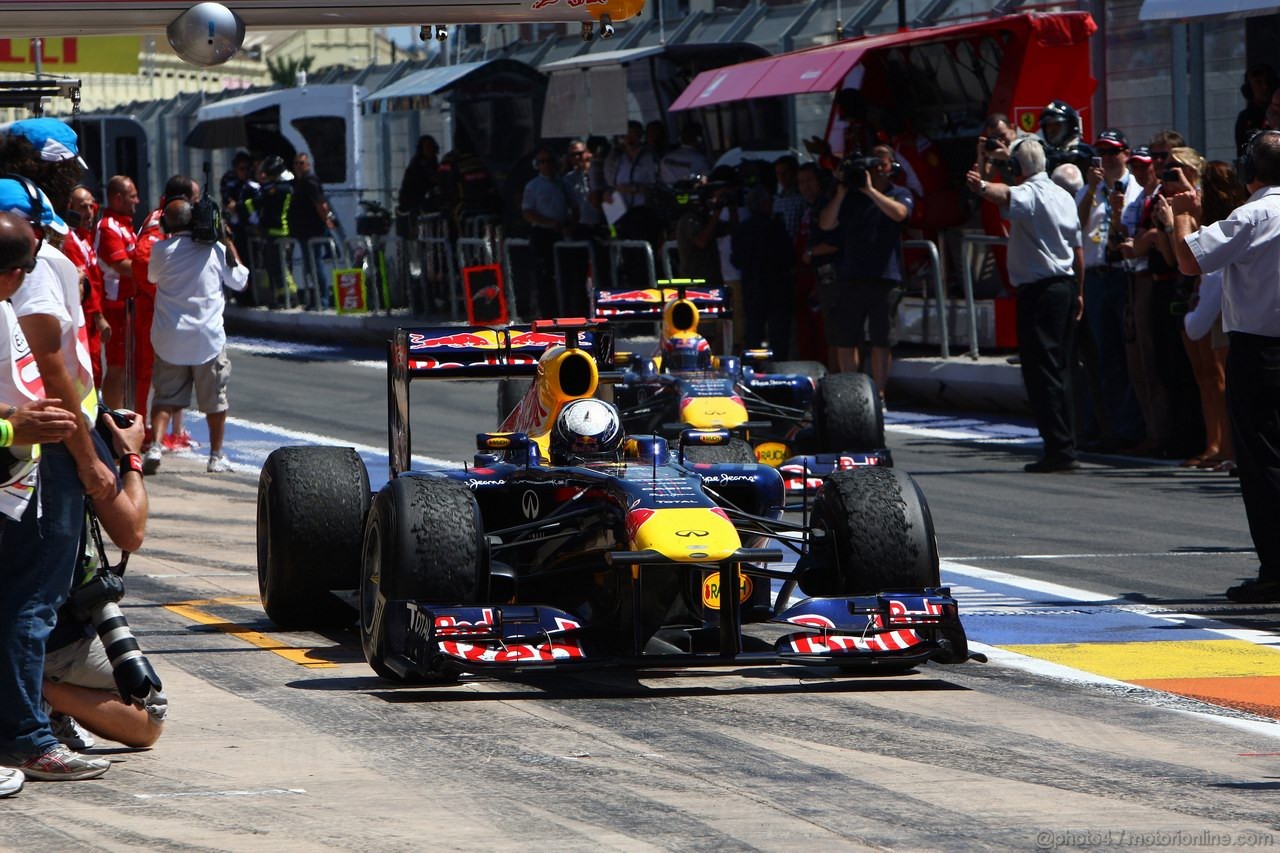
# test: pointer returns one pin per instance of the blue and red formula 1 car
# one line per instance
(790, 415)
(568, 544)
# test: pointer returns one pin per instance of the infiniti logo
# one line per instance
(687, 533)
(529, 504)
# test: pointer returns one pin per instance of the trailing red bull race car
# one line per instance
(789, 415)
(569, 544)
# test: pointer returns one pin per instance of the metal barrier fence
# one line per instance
(670, 258)
(508, 272)
(939, 291)
(617, 247)
(968, 245)
(561, 246)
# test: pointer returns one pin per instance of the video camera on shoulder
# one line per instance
(206, 219)
(853, 170)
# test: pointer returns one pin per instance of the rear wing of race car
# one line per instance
(712, 301)
(476, 352)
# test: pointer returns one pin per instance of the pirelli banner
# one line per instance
(87, 55)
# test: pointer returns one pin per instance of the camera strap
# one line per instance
(95, 535)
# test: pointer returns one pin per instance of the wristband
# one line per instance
(130, 462)
(6, 433)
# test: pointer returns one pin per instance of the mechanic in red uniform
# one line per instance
(78, 247)
(144, 306)
(116, 243)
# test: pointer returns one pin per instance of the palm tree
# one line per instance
(284, 72)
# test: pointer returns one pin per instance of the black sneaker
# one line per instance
(1255, 592)
(1051, 466)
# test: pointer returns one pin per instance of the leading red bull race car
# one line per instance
(568, 544)
(790, 415)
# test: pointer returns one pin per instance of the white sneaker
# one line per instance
(11, 781)
(69, 732)
(151, 459)
(219, 463)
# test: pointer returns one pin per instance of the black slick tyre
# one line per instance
(312, 502)
(812, 369)
(735, 451)
(423, 541)
(879, 535)
(848, 414)
(510, 393)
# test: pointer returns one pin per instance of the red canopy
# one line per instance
(823, 69)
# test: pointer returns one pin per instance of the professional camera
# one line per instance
(206, 219)
(853, 171)
(96, 601)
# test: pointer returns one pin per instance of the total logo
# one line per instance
(711, 589)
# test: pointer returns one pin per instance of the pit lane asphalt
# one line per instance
(303, 748)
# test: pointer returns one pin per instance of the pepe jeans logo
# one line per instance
(529, 504)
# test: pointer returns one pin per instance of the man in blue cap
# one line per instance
(40, 551)
(46, 151)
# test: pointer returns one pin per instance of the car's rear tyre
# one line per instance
(735, 451)
(879, 535)
(424, 540)
(312, 502)
(848, 413)
(510, 393)
(812, 369)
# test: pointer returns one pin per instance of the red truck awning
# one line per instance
(823, 69)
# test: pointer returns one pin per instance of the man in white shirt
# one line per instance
(40, 550)
(1246, 247)
(1046, 265)
(187, 332)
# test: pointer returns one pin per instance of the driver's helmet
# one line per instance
(687, 352)
(586, 430)
(1060, 123)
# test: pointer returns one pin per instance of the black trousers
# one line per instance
(1046, 329)
(1253, 400)
(542, 243)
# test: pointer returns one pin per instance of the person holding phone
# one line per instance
(1171, 291)
(1100, 202)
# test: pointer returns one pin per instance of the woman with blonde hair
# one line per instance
(1221, 192)
(1177, 369)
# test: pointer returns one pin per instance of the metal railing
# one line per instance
(968, 246)
(670, 251)
(508, 276)
(617, 247)
(940, 294)
(557, 249)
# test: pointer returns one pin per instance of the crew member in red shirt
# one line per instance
(116, 245)
(78, 247)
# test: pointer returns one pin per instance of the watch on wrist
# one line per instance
(130, 462)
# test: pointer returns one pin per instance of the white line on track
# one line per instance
(1205, 553)
(176, 794)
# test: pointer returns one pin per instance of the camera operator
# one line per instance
(79, 678)
(869, 210)
(1108, 191)
(1046, 264)
(188, 335)
(697, 230)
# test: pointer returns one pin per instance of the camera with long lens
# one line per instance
(853, 171)
(97, 601)
(206, 219)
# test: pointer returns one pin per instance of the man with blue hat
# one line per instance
(45, 541)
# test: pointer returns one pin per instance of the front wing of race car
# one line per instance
(802, 475)
(898, 629)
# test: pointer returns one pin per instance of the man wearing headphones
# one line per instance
(867, 214)
(1246, 247)
(188, 334)
(1046, 265)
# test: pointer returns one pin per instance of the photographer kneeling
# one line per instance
(869, 210)
(189, 269)
(81, 683)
